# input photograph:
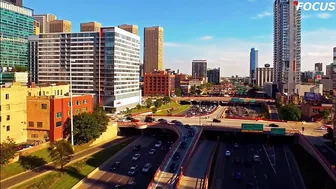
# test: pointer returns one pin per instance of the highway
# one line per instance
(195, 172)
(105, 178)
(276, 169)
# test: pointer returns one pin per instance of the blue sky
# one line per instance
(221, 31)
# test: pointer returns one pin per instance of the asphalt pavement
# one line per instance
(106, 178)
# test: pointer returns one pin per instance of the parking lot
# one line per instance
(197, 110)
(241, 111)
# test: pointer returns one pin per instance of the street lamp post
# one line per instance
(71, 108)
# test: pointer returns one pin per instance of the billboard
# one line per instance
(312, 96)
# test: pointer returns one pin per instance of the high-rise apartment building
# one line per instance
(264, 75)
(90, 26)
(214, 76)
(130, 28)
(33, 59)
(153, 49)
(159, 83)
(199, 69)
(44, 20)
(334, 55)
(36, 27)
(329, 70)
(59, 26)
(287, 45)
(17, 24)
(15, 2)
(318, 67)
(104, 63)
(253, 64)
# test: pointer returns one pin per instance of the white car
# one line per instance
(136, 157)
(158, 144)
(133, 170)
(147, 167)
(227, 153)
(152, 151)
(256, 158)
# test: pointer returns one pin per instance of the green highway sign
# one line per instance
(252, 127)
(278, 131)
(237, 100)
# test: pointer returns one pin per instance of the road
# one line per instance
(28, 175)
(218, 175)
(105, 178)
(195, 172)
(276, 169)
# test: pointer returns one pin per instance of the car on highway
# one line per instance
(146, 168)
(184, 139)
(136, 157)
(173, 121)
(172, 167)
(118, 186)
(178, 123)
(191, 133)
(176, 156)
(256, 158)
(187, 126)
(135, 120)
(163, 121)
(164, 148)
(133, 170)
(158, 144)
(149, 119)
(273, 125)
(216, 120)
(152, 151)
(236, 145)
(238, 176)
(236, 160)
(227, 153)
(183, 145)
(136, 147)
(115, 166)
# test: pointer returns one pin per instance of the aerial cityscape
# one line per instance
(168, 95)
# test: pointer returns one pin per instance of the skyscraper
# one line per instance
(15, 2)
(44, 20)
(199, 69)
(90, 26)
(318, 67)
(59, 26)
(130, 28)
(334, 55)
(253, 64)
(153, 49)
(36, 27)
(214, 76)
(17, 24)
(286, 45)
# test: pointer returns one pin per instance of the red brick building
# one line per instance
(46, 115)
(159, 83)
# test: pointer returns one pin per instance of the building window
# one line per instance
(59, 123)
(34, 135)
(84, 101)
(43, 106)
(39, 124)
(69, 104)
(7, 107)
(8, 128)
(58, 114)
(84, 109)
(8, 117)
(78, 111)
(7, 96)
(69, 112)
(61, 93)
(78, 102)
(30, 124)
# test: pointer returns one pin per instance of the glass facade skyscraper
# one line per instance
(17, 24)
(253, 64)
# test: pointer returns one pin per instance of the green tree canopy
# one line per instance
(138, 106)
(8, 149)
(61, 152)
(290, 112)
(192, 90)
(167, 99)
(325, 114)
(154, 110)
(178, 92)
(158, 103)
(149, 102)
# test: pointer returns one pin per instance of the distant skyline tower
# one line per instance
(253, 64)
(199, 69)
(59, 26)
(130, 28)
(153, 48)
(286, 45)
(334, 55)
(90, 26)
(15, 2)
(44, 20)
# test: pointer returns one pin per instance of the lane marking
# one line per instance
(289, 167)
(269, 159)
(265, 175)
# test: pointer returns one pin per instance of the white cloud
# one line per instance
(207, 37)
(324, 15)
(172, 44)
(232, 55)
(262, 15)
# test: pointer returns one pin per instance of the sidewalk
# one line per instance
(40, 171)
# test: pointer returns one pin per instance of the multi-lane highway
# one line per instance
(195, 171)
(106, 178)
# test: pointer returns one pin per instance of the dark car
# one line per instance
(273, 125)
(238, 176)
(178, 123)
(136, 147)
(191, 133)
(149, 119)
(216, 120)
(237, 160)
(172, 168)
(183, 145)
(176, 156)
(162, 121)
(187, 126)
(115, 165)
(173, 121)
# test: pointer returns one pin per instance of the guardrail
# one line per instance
(166, 158)
(207, 175)
(187, 159)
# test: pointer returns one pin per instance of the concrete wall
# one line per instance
(111, 132)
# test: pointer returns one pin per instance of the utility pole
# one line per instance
(71, 108)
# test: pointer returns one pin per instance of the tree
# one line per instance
(138, 106)
(167, 99)
(148, 102)
(246, 83)
(158, 103)
(290, 112)
(8, 149)
(61, 152)
(154, 110)
(325, 114)
(178, 92)
(19, 68)
(192, 90)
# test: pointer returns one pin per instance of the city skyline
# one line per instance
(206, 36)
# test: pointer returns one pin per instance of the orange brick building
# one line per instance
(46, 115)
(159, 83)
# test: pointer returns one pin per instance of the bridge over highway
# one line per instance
(222, 99)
